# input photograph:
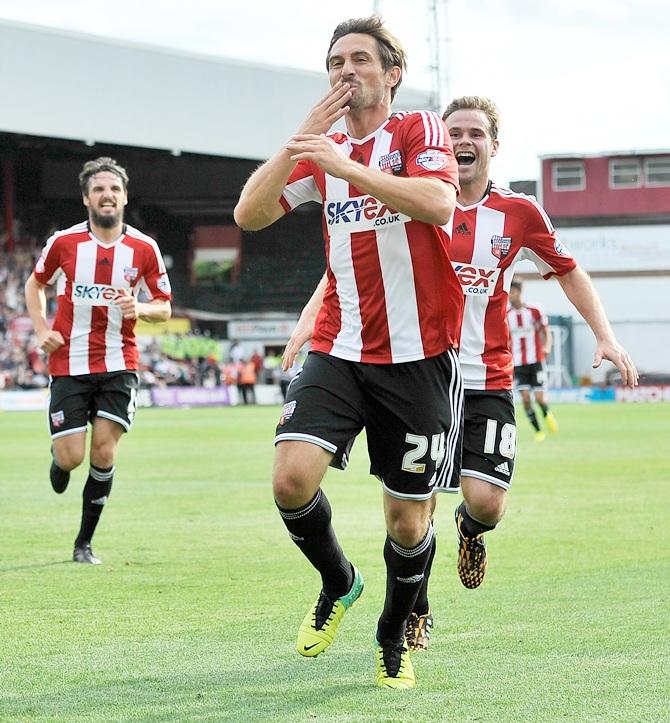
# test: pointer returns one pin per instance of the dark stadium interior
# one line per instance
(169, 196)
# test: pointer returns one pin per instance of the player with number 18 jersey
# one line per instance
(488, 239)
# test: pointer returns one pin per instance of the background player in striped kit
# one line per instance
(492, 228)
(382, 356)
(99, 266)
(531, 345)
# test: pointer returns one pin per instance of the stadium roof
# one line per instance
(61, 84)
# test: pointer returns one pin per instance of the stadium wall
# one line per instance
(36, 400)
(637, 308)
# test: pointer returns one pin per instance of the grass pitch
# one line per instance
(193, 615)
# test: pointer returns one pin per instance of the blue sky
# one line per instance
(569, 76)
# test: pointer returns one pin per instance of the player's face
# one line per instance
(106, 199)
(473, 146)
(355, 59)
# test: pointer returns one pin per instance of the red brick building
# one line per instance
(612, 211)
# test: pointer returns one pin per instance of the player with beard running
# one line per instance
(99, 268)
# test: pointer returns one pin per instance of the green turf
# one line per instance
(193, 614)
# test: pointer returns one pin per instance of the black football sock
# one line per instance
(530, 413)
(59, 477)
(96, 492)
(404, 576)
(309, 527)
(469, 525)
(544, 408)
(421, 606)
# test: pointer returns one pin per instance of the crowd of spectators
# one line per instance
(22, 364)
(181, 360)
(193, 359)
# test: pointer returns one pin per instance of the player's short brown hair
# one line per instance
(104, 163)
(391, 51)
(476, 102)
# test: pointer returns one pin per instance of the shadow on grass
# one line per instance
(36, 565)
(276, 690)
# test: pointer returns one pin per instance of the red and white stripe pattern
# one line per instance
(88, 275)
(392, 295)
(488, 239)
(526, 326)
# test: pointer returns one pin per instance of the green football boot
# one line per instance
(317, 630)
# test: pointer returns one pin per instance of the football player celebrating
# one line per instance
(383, 355)
(99, 267)
(493, 228)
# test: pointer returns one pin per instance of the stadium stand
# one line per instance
(280, 268)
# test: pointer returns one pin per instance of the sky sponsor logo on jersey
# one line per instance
(476, 280)
(432, 160)
(364, 213)
(94, 294)
(500, 246)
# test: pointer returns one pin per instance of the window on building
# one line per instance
(625, 173)
(657, 171)
(568, 176)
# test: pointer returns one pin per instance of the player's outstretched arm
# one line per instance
(579, 289)
(305, 326)
(259, 205)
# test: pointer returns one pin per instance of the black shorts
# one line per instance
(77, 400)
(530, 376)
(412, 413)
(489, 441)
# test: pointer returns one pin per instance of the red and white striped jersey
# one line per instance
(88, 276)
(526, 327)
(392, 295)
(488, 239)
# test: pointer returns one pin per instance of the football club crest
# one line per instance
(58, 418)
(391, 162)
(129, 273)
(287, 412)
(500, 246)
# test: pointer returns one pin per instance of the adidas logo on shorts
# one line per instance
(503, 468)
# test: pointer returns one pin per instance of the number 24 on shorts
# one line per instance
(410, 462)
